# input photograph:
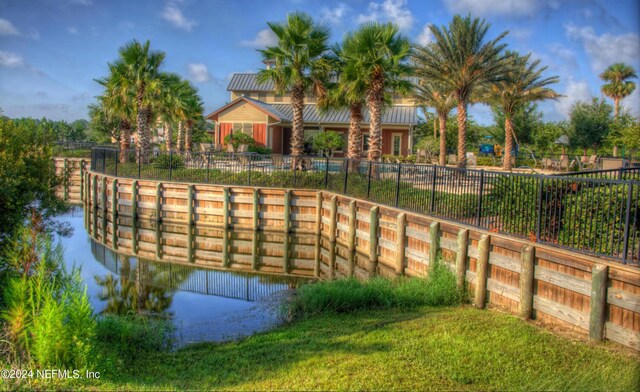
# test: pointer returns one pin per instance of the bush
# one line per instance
(238, 139)
(168, 161)
(348, 295)
(259, 149)
(325, 143)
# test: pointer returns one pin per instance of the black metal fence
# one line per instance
(625, 174)
(599, 216)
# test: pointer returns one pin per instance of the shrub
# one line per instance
(237, 139)
(259, 149)
(348, 295)
(168, 161)
(327, 142)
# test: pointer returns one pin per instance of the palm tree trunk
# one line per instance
(297, 132)
(180, 143)
(125, 136)
(616, 108)
(143, 132)
(508, 144)
(374, 101)
(188, 137)
(355, 132)
(167, 136)
(462, 133)
(442, 159)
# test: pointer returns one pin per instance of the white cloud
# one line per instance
(563, 53)
(11, 60)
(632, 102)
(198, 72)
(336, 14)
(574, 92)
(493, 7)
(394, 11)
(426, 36)
(605, 49)
(7, 28)
(263, 39)
(173, 14)
(72, 30)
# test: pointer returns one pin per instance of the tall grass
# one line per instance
(347, 295)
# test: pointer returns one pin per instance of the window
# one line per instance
(262, 97)
(277, 98)
(396, 144)
(365, 142)
(244, 128)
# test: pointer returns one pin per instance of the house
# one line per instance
(255, 109)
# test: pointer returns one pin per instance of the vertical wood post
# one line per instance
(461, 257)
(318, 247)
(65, 180)
(525, 308)
(103, 203)
(351, 256)
(159, 202)
(597, 316)
(333, 224)
(225, 226)
(94, 207)
(82, 181)
(374, 221)
(434, 242)
(114, 213)
(191, 220)
(401, 238)
(287, 226)
(85, 201)
(159, 240)
(256, 225)
(484, 246)
(134, 217)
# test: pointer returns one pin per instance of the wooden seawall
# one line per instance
(249, 229)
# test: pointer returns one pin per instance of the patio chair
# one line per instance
(593, 162)
(243, 159)
(563, 164)
(547, 164)
(205, 147)
(452, 159)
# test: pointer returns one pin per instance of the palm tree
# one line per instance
(193, 108)
(169, 105)
(378, 53)
(618, 86)
(300, 64)
(523, 84)
(462, 61)
(441, 99)
(139, 73)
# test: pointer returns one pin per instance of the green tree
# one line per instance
(522, 84)
(325, 143)
(380, 54)
(618, 85)
(590, 123)
(545, 134)
(442, 101)
(462, 59)
(300, 65)
(136, 74)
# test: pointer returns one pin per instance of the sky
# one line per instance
(52, 50)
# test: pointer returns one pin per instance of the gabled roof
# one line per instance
(247, 82)
(264, 107)
(404, 115)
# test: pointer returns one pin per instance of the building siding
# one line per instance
(243, 112)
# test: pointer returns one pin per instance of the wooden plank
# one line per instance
(386, 244)
(563, 280)
(505, 262)
(501, 288)
(449, 244)
(622, 335)
(418, 256)
(562, 312)
(623, 299)
(417, 234)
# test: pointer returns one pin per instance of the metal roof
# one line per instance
(311, 114)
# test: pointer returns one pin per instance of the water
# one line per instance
(203, 304)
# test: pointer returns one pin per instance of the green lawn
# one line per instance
(428, 348)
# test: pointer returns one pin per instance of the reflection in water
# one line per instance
(203, 304)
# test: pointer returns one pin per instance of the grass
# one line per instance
(424, 348)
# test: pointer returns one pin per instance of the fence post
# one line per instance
(480, 197)
(620, 171)
(398, 184)
(434, 242)
(597, 316)
(140, 162)
(114, 213)
(484, 247)
(208, 163)
(539, 209)
(369, 182)
(256, 225)
(373, 240)
(526, 282)
(333, 225)
(433, 188)
(346, 176)
(65, 180)
(249, 175)
(627, 222)
(318, 232)
(401, 236)
(461, 257)
(225, 227)
(326, 174)
(171, 164)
